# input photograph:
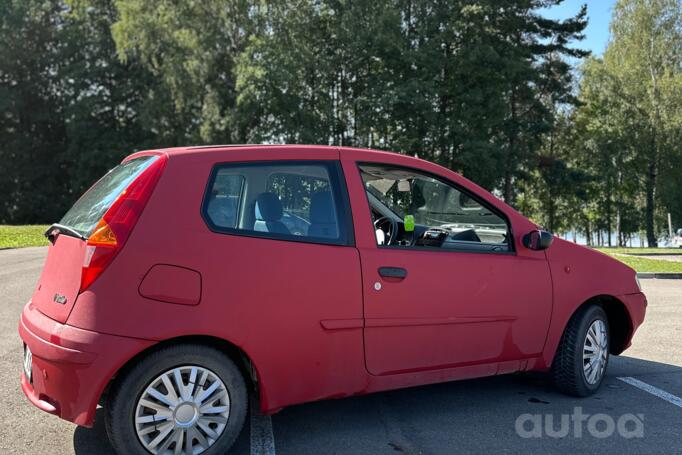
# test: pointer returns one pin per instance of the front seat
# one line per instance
(270, 208)
(322, 219)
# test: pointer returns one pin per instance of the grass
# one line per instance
(652, 251)
(641, 264)
(22, 236)
(630, 257)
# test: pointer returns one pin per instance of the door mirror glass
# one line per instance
(538, 240)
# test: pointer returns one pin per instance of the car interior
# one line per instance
(411, 209)
(280, 199)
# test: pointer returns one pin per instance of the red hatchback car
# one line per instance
(186, 276)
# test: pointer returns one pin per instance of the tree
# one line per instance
(457, 82)
(190, 48)
(31, 125)
(104, 99)
(537, 79)
(555, 190)
(71, 109)
(604, 128)
(645, 58)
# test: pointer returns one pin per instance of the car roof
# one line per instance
(335, 152)
(274, 148)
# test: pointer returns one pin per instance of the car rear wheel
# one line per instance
(180, 400)
(582, 357)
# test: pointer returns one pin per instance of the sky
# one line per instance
(599, 16)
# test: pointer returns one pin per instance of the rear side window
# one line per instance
(298, 194)
(91, 207)
(303, 201)
(223, 201)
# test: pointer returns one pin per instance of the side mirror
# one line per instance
(537, 240)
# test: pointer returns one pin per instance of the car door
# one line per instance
(475, 302)
(284, 270)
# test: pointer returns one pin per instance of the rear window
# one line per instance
(91, 207)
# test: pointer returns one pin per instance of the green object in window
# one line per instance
(409, 223)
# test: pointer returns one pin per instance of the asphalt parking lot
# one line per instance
(638, 409)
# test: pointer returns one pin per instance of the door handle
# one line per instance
(393, 272)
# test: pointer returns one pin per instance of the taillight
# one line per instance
(115, 227)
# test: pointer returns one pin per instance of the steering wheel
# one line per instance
(389, 226)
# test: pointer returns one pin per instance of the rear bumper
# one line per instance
(71, 366)
(636, 305)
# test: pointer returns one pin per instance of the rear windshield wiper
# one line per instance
(57, 228)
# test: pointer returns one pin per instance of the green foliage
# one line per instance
(103, 97)
(458, 83)
(32, 128)
(485, 88)
(71, 109)
(615, 159)
(190, 48)
(644, 63)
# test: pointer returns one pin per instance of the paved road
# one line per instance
(470, 416)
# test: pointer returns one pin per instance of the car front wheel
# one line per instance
(180, 400)
(582, 357)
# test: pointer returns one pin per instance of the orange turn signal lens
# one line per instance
(102, 235)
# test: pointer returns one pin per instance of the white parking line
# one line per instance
(669, 397)
(262, 439)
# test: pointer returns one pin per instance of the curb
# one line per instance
(660, 276)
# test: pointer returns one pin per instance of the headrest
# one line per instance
(269, 206)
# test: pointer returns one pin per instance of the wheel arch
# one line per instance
(620, 323)
(233, 351)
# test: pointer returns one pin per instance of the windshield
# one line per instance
(91, 207)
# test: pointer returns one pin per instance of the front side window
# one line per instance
(411, 208)
(282, 200)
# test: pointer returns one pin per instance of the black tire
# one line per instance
(122, 400)
(567, 369)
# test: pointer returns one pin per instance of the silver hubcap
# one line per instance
(595, 352)
(183, 411)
